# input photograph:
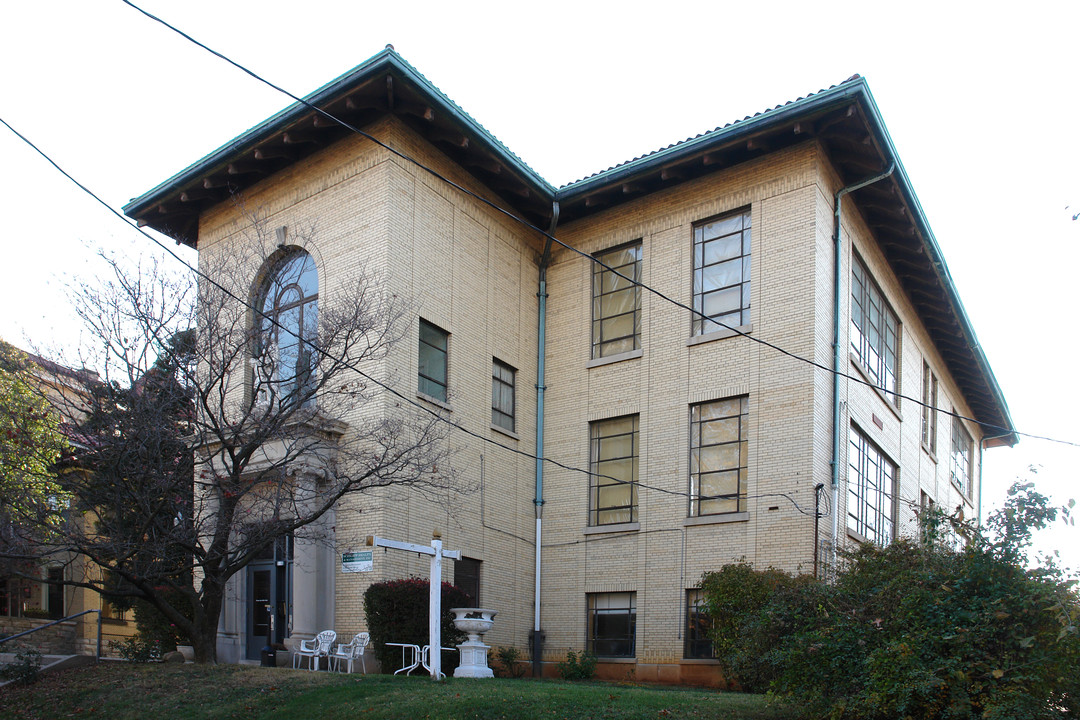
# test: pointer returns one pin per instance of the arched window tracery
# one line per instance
(289, 320)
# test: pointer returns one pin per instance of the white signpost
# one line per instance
(436, 553)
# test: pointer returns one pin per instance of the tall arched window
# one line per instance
(289, 301)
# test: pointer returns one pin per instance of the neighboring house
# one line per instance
(709, 440)
(38, 592)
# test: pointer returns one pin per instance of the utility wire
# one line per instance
(525, 223)
(325, 353)
(506, 213)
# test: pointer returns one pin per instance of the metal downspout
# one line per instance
(541, 344)
(837, 257)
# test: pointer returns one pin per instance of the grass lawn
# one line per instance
(118, 691)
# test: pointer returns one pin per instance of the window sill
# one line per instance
(503, 431)
(632, 354)
(931, 453)
(857, 537)
(113, 621)
(616, 660)
(716, 519)
(885, 397)
(699, 661)
(435, 401)
(720, 334)
(619, 527)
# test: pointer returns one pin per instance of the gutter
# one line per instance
(538, 501)
(837, 282)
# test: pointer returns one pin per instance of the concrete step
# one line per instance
(49, 662)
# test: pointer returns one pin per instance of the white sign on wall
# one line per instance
(362, 561)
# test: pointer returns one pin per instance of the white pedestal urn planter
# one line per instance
(475, 622)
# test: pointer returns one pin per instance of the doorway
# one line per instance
(269, 596)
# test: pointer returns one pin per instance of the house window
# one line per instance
(434, 342)
(722, 272)
(697, 643)
(467, 577)
(289, 323)
(875, 330)
(612, 624)
(871, 488)
(960, 457)
(929, 410)
(111, 612)
(502, 395)
(617, 301)
(55, 593)
(614, 471)
(718, 456)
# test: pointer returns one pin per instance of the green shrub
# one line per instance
(578, 666)
(24, 669)
(137, 649)
(511, 662)
(915, 630)
(751, 611)
(397, 611)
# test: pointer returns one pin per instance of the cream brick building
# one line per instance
(684, 441)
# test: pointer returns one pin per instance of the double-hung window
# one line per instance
(960, 457)
(502, 395)
(875, 331)
(722, 273)
(616, 312)
(929, 409)
(614, 466)
(871, 490)
(718, 456)
(612, 624)
(433, 361)
(697, 643)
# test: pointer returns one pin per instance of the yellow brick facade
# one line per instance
(470, 270)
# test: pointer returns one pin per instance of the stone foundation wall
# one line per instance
(56, 640)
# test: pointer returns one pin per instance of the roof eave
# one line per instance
(385, 61)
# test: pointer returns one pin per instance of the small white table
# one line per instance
(425, 659)
(414, 656)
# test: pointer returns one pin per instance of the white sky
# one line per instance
(982, 106)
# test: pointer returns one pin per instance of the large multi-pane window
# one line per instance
(697, 643)
(722, 272)
(929, 409)
(616, 309)
(612, 624)
(960, 457)
(718, 456)
(614, 469)
(502, 395)
(288, 325)
(871, 489)
(434, 342)
(875, 330)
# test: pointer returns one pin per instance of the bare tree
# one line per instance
(233, 411)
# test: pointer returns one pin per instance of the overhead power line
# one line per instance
(525, 223)
(506, 213)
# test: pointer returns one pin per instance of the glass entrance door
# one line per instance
(269, 597)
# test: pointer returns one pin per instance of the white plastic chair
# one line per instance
(350, 652)
(314, 649)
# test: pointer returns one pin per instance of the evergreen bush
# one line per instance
(915, 630)
(397, 611)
